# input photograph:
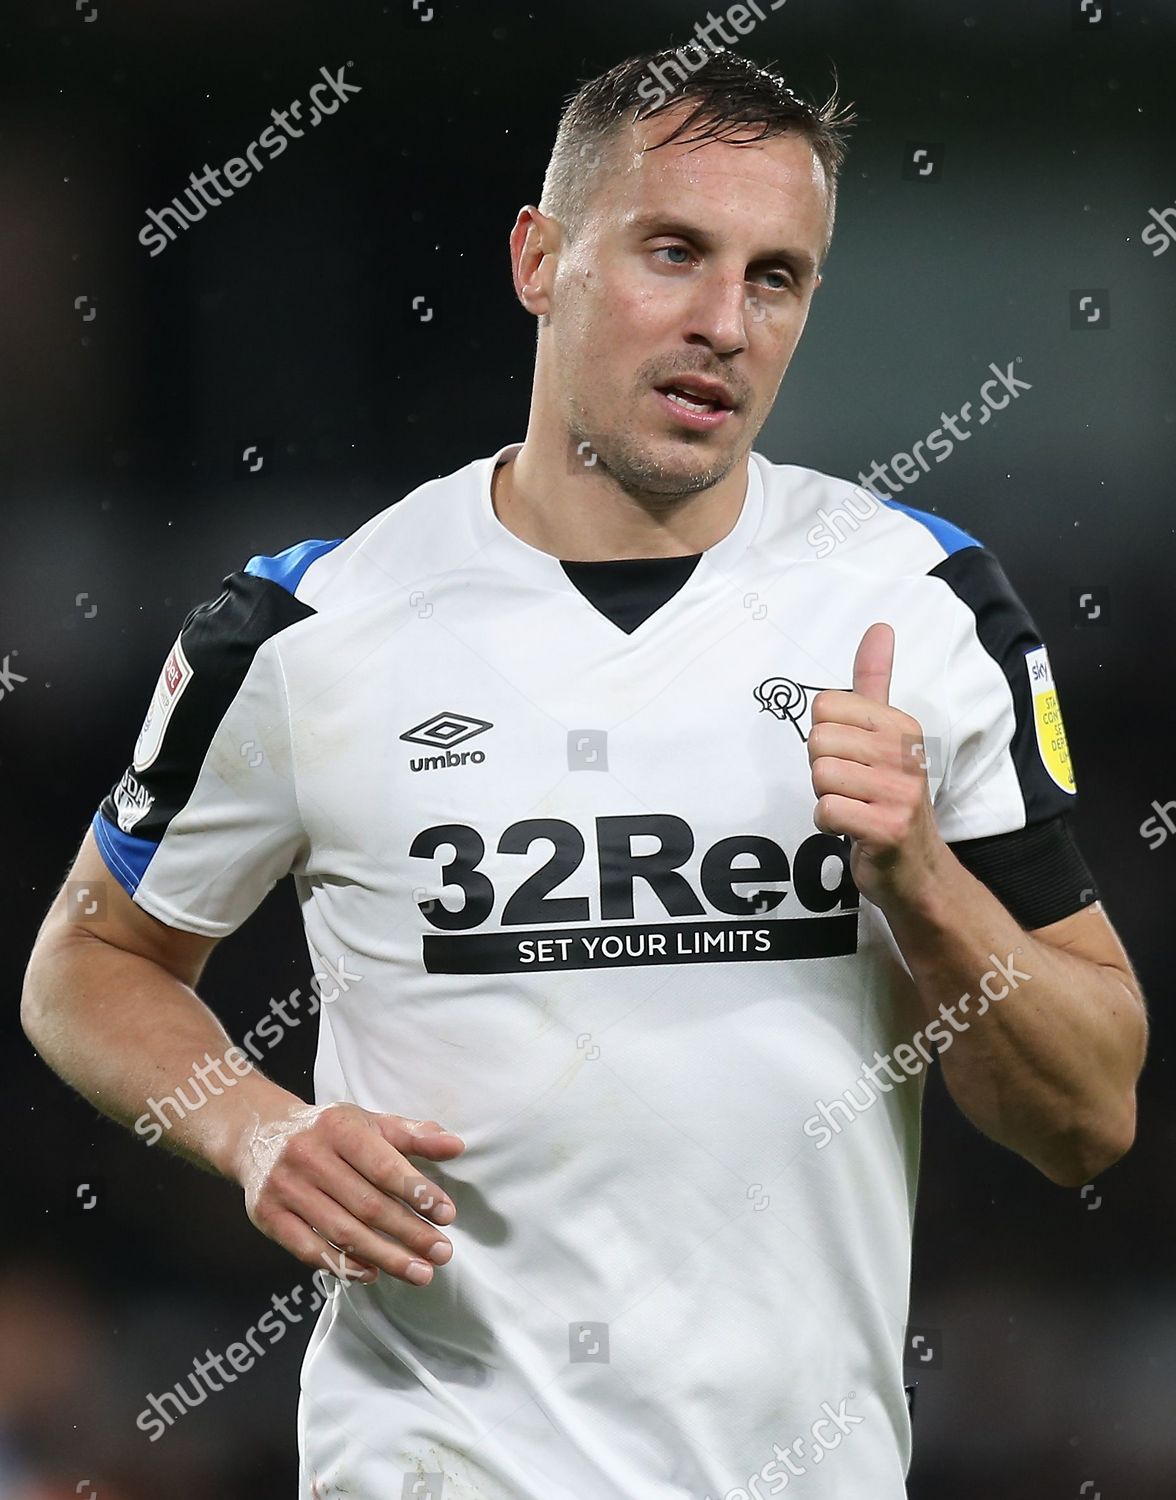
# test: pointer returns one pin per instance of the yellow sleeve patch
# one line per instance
(1047, 720)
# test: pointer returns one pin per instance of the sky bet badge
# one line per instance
(1047, 718)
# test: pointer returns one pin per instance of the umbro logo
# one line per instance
(441, 732)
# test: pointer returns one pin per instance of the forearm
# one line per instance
(127, 1035)
(1048, 1068)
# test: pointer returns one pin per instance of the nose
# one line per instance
(718, 314)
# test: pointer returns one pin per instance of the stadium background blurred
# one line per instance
(284, 321)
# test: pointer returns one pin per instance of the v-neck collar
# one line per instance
(627, 591)
(630, 589)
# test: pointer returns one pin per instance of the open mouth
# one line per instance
(691, 403)
(694, 407)
(692, 399)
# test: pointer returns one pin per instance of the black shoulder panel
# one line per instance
(201, 677)
(1007, 632)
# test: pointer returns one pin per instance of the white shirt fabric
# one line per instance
(660, 1277)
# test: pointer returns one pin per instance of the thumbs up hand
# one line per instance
(871, 783)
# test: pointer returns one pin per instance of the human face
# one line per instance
(694, 264)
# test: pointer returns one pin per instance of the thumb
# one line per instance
(874, 662)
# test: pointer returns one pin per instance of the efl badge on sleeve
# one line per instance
(1047, 720)
(174, 678)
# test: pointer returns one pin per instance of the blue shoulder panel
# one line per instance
(126, 857)
(289, 567)
(950, 537)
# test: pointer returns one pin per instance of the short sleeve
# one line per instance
(1007, 764)
(205, 819)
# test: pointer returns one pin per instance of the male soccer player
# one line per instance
(654, 804)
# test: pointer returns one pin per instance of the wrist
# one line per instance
(929, 898)
(230, 1147)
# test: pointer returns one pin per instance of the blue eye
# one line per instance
(784, 279)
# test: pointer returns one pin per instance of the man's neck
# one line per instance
(587, 519)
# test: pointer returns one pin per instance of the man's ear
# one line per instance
(817, 282)
(535, 237)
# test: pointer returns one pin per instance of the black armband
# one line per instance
(1037, 872)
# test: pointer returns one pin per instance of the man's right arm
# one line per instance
(109, 1002)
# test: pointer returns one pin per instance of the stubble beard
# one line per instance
(633, 466)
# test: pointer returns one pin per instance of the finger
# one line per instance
(845, 815)
(342, 1267)
(419, 1137)
(903, 755)
(846, 778)
(864, 823)
(385, 1168)
(836, 706)
(845, 741)
(387, 1215)
(874, 662)
(335, 1227)
(296, 1237)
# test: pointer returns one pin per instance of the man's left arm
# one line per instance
(1049, 1042)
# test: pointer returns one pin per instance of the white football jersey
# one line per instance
(557, 820)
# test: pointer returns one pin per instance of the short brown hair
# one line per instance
(730, 95)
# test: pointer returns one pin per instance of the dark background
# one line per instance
(280, 321)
